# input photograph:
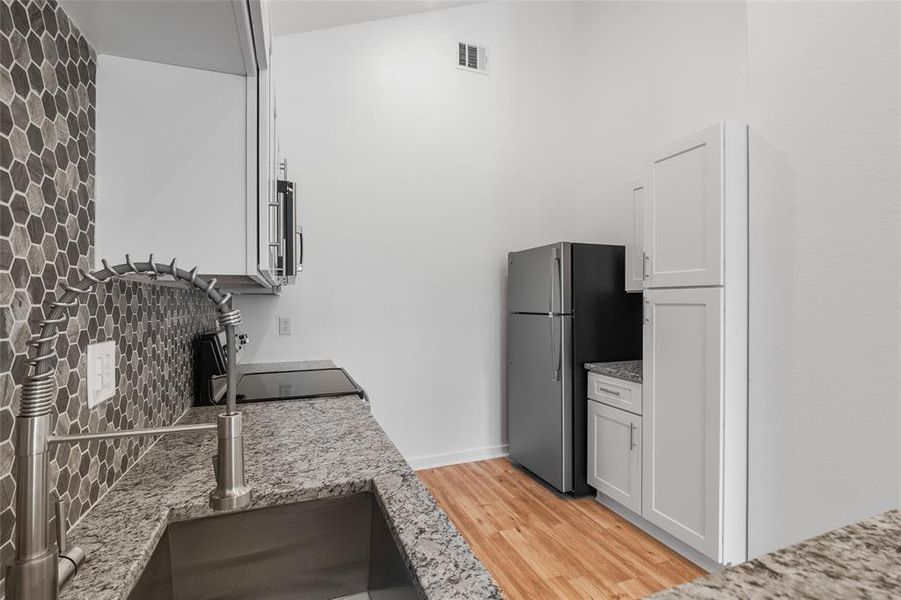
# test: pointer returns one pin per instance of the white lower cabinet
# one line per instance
(614, 392)
(614, 454)
(683, 412)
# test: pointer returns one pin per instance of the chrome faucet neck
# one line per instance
(39, 568)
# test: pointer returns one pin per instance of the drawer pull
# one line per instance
(606, 391)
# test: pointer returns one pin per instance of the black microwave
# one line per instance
(290, 260)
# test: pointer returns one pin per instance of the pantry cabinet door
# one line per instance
(636, 190)
(614, 454)
(683, 215)
(683, 415)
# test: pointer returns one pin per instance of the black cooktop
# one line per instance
(288, 385)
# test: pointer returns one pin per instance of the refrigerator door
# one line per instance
(539, 396)
(538, 280)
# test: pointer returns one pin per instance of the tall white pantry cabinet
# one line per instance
(694, 270)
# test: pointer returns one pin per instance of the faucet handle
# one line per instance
(62, 540)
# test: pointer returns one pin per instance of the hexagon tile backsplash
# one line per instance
(47, 102)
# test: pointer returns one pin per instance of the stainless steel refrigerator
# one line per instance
(566, 306)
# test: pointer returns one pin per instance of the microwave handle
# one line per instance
(299, 249)
(281, 225)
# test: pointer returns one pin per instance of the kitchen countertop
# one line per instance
(294, 451)
(629, 370)
(862, 560)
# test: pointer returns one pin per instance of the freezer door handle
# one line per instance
(556, 348)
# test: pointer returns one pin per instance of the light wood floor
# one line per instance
(538, 544)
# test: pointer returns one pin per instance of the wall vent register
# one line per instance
(471, 57)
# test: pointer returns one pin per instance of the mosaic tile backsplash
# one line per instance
(47, 154)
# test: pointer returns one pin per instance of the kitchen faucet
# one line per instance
(40, 568)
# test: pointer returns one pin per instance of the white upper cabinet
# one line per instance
(683, 217)
(636, 191)
(269, 239)
(199, 34)
(203, 156)
(683, 398)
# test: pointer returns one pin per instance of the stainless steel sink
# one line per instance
(317, 550)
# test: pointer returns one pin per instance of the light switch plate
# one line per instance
(101, 372)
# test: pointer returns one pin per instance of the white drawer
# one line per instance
(614, 392)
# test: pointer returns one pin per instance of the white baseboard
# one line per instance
(455, 458)
(655, 532)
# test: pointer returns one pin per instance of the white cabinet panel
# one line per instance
(684, 212)
(174, 173)
(683, 402)
(636, 190)
(614, 454)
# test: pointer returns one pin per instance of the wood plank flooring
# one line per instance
(538, 544)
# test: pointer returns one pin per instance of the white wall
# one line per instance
(170, 140)
(824, 266)
(648, 73)
(415, 179)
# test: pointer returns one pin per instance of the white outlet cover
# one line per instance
(101, 372)
(284, 325)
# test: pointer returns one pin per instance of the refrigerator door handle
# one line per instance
(554, 279)
(550, 287)
(556, 348)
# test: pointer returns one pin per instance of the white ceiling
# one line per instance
(196, 33)
(295, 16)
(203, 33)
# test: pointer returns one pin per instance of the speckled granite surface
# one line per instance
(630, 370)
(294, 451)
(862, 560)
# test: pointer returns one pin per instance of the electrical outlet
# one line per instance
(284, 325)
(101, 372)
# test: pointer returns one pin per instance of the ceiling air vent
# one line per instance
(471, 57)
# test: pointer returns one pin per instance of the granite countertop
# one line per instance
(862, 560)
(294, 451)
(630, 370)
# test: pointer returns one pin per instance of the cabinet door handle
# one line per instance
(631, 436)
(644, 264)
